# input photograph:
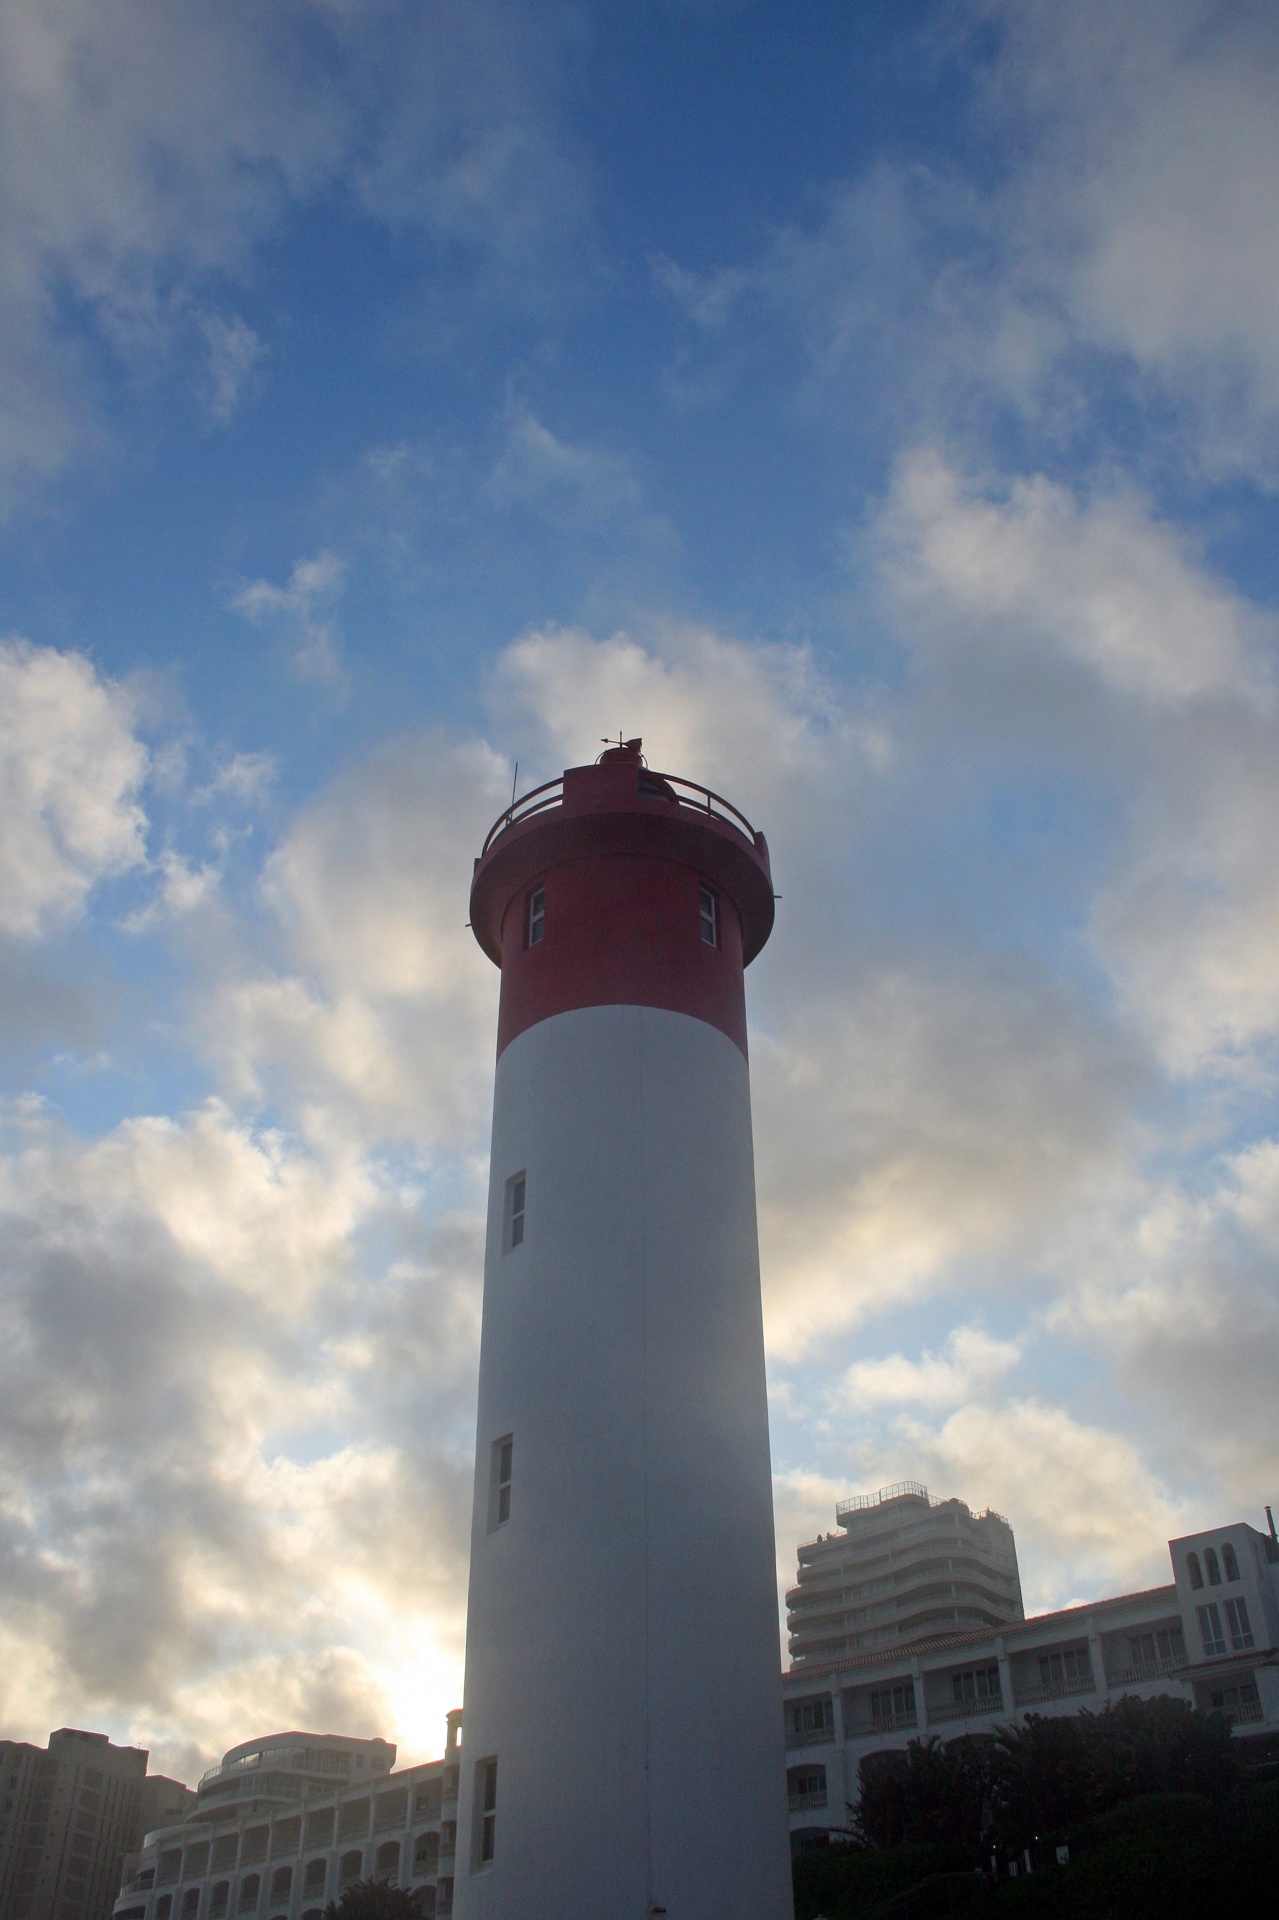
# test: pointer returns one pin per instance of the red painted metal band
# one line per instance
(621, 872)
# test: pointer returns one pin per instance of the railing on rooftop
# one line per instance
(687, 793)
(858, 1501)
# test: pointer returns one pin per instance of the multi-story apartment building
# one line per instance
(1211, 1637)
(282, 1825)
(901, 1568)
(69, 1814)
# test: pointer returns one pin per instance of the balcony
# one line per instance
(894, 1723)
(1035, 1696)
(974, 1709)
(808, 1802)
(812, 1737)
(1150, 1670)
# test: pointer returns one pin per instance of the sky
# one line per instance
(876, 408)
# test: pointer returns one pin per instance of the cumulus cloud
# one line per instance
(305, 611)
(146, 150)
(71, 768)
(971, 1363)
(238, 1478)
(380, 1003)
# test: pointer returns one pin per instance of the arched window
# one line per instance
(1211, 1568)
(1229, 1562)
(312, 1913)
(190, 1903)
(316, 1875)
(164, 1906)
(1192, 1568)
(250, 1892)
(220, 1895)
(350, 1868)
(281, 1885)
(426, 1853)
(388, 1861)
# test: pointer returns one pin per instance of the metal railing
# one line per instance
(1055, 1690)
(1148, 1670)
(965, 1709)
(811, 1737)
(857, 1501)
(688, 793)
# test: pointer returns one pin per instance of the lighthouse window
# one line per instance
(502, 1462)
(709, 917)
(515, 1189)
(536, 915)
(485, 1811)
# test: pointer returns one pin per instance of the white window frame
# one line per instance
(501, 1478)
(535, 925)
(514, 1211)
(708, 916)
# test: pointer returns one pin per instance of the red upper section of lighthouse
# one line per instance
(616, 886)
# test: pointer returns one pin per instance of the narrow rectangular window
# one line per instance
(709, 917)
(501, 1463)
(515, 1191)
(536, 915)
(1240, 1624)
(485, 1811)
(1210, 1629)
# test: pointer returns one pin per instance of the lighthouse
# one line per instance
(622, 1728)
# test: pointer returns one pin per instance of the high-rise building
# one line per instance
(68, 1815)
(622, 1704)
(902, 1567)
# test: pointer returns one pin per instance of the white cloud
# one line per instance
(381, 1005)
(305, 610)
(71, 767)
(971, 1364)
(234, 350)
(1102, 581)
(236, 1477)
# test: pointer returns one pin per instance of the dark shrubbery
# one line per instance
(1146, 1794)
(373, 1900)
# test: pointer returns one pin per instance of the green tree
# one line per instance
(930, 1794)
(374, 1900)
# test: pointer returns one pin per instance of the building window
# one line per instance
(516, 1190)
(1192, 1568)
(814, 1716)
(806, 1788)
(1238, 1703)
(893, 1703)
(1069, 1668)
(1211, 1568)
(316, 1875)
(1229, 1562)
(221, 1893)
(426, 1853)
(190, 1903)
(1210, 1629)
(281, 1885)
(250, 1890)
(164, 1906)
(980, 1687)
(485, 1811)
(1240, 1625)
(536, 915)
(350, 1868)
(501, 1464)
(1151, 1649)
(708, 915)
(388, 1861)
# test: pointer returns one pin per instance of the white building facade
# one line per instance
(283, 1825)
(1210, 1638)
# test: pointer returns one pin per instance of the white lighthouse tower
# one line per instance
(622, 1729)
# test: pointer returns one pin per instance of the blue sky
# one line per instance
(875, 408)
